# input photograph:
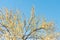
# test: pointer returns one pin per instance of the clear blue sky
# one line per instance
(49, 8)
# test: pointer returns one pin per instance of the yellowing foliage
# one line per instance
(16, 28)
(0, 28)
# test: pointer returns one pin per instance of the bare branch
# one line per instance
(32, 32)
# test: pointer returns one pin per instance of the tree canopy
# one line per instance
(13, 27)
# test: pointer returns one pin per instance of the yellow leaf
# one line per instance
(14, 38)
(0, 28)
(7, 15)
(15, 17)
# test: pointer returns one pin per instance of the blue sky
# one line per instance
(48, 8)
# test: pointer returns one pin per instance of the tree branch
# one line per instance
(32, 32)
(5, 27)
(28, 26)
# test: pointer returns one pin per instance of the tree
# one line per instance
(13, 26)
